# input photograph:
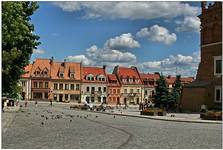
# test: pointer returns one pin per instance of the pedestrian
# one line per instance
(36, 103)
(51, 102)
(26, 103)
(3, 105)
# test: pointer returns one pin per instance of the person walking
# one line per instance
(36, 103)
(26, 103)
(51, 102)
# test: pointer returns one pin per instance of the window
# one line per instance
(118, 91)
(104, 89)
(146, 92)
(37, 72)
(92, 89)
(114, 99)
(66, 97)
(66, 86)
(37, 95)
(99, 99)
(77, 86)
(138, 90)
(110, 91)
(217, 65)
(131, 90)
(46, 84)
(72, 86)
(40, 84)
(114, 91)
(55, 97)
(46, 95)
(104, 99)
(218, 94)
(125, 90)
(61, 86)
(74, 97)
(103, 79)
(92, 99)
(55, 86)
(87, 89)
(61, 75)
(99, 89)
(71, 75)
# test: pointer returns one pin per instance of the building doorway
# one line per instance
(60, 97)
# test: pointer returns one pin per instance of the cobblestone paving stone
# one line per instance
(83, 129)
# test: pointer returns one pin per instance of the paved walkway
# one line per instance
(178, 117)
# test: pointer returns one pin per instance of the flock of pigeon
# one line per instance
(59, 116)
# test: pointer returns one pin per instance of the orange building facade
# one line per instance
(114, 90)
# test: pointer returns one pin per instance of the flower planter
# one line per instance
(210, 115)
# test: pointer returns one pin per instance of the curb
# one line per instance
(164, 119)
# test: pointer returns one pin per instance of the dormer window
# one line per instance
(90, 77)
(61, 74)
(71, 75)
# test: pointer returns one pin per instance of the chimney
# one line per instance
(104, 67)
(51, 60)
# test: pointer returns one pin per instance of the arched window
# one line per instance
(90, 77)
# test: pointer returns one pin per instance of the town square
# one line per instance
(111, 75)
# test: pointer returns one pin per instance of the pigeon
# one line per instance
(96, 116)
(77, 115)
(80, 117)
(87, 115)
(42, 115)
(70, 120)
(42, 123)
(46, 118)
(114, 116)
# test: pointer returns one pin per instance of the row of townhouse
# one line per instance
(47, 79)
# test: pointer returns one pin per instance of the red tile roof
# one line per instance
(27, 70)
(95, 71)
(113, 80)
(124, 72)
(149, 76)
(127, 72)
(171, 80)
(40, 64)
(66, 68)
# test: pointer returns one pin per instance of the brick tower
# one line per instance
(207, 88)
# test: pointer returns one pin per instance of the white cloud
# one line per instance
(130, 10)
(185, 65)
(157, 33)
(38, 51)
(106, 55)
(79, 58)
(109, 55)
(190, 23)
(122, 41)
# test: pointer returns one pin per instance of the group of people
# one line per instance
(144, 105)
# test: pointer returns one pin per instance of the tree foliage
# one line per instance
(161, 96)
(176, 92)
(18, 42)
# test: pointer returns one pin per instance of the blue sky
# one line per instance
(154, 36)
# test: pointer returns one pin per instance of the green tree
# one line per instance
(161, 96)
(18, 42)
(176, 90)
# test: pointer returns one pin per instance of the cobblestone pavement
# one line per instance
(59, 127)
